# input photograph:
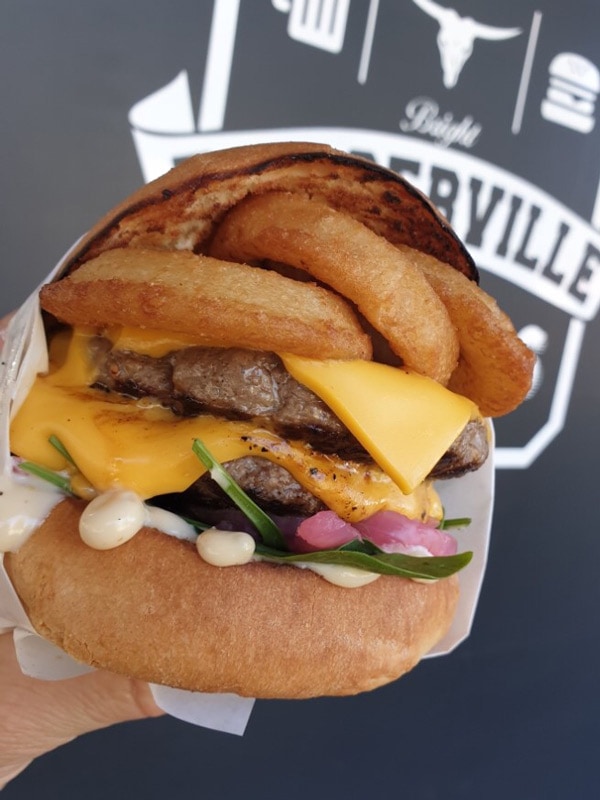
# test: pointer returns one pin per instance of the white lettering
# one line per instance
(422, 115)
(512, 227)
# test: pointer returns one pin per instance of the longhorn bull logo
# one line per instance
(457, 36)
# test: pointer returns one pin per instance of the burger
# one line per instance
(259, 366)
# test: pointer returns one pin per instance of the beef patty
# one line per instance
(242, 384)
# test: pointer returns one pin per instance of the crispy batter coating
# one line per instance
(495, 367)
(218, 303)
(344, 254)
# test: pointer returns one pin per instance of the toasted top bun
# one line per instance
(152, 609)
(181, 209)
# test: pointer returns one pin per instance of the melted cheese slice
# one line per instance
(139, 446)
(404, 420)
(150, 342)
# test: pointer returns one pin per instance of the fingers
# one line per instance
(38, 716)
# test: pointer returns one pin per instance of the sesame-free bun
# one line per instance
(154, 610)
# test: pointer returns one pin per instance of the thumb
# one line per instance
(37, 716)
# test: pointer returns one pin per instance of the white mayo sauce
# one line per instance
(111, 519)
(114, 517)
(229, 548)
(225, 548)
(24, 504)
(341, 575)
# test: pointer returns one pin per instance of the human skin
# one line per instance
(38, 716)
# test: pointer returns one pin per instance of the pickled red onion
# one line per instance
(395, 533)
(388, 530)
(323, 531)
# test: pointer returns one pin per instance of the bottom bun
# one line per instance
(153, 610)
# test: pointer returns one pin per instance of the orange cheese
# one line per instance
(404, 420)
(138, 445)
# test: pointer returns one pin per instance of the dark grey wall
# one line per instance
(511, 713)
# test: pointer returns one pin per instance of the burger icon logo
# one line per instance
(574, 83)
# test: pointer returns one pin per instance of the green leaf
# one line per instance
(430, 568)
(268, 530)
(54, 478)
(457, 522)
(58, 445)
(360, 546)
(201, 526)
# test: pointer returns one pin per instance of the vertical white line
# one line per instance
(365, 57)
(218, 65)
(526, 73)
(596, 212)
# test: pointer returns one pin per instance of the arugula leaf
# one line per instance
(270, 533)
(358, 553)
(63, 482)
(48, 475)
(200, 526)
(457, 522)
(430, 568)
(58, 445)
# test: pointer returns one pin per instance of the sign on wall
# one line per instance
(462, 130)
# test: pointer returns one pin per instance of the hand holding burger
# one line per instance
(37, 716)
(284, 345)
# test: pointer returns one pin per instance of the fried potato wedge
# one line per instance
(339, 251)
(495, 367)
(231, 305)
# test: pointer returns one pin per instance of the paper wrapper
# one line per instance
(23, 356)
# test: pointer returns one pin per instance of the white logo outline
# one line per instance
(158, 149)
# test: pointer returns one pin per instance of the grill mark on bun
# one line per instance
(423, 226)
